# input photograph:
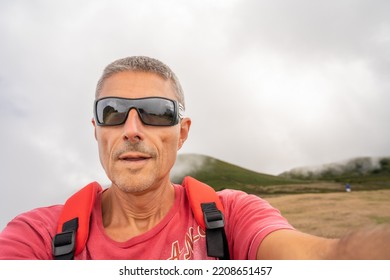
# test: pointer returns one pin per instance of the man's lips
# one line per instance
(134, 157)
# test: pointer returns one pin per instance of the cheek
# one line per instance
(169, 147)
(171, 142)
(104, 149)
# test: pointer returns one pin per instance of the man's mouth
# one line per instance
(134, 157)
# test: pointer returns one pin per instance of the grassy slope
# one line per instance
(223, 175)
(334, 214)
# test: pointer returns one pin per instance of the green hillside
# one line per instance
(223, 175)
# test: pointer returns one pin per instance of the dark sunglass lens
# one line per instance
(157, 111)
(111, 112)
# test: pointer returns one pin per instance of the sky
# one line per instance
(269, 85)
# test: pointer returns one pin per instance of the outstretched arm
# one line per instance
(373, 243)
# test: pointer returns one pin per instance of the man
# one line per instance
(139, 127)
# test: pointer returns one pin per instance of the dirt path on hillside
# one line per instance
(333, 214)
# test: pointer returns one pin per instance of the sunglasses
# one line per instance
(156, 111)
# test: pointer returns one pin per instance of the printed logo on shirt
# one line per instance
(187, 249)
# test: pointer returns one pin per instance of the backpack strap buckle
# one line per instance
(215, 233)
(64, 243)
(213, 218)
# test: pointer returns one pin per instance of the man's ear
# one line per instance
(185, 125)
(94, 127)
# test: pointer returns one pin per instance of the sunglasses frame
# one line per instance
(178, 113)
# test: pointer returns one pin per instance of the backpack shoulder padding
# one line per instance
(80, 206)
(199, 193)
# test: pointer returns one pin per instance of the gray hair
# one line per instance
(141, 64)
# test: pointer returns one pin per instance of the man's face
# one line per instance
(138, 157)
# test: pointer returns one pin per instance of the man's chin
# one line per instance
(134, 184)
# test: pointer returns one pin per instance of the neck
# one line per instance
(126, 215)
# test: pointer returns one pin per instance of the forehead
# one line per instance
(132, 84)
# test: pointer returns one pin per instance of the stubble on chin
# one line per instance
(133, 186)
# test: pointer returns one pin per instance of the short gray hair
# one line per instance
(141, 64)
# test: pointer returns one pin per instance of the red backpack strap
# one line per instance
(209, 213)
(73, 225)
(199, 193)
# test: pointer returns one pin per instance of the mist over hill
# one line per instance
(353, 168)
(189, 165)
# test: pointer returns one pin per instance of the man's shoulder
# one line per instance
(44, 216)
(29, 235)
(232, 194)
(237, 201)
(47, 211)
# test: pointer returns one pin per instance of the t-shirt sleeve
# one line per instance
(29, 235)
(249, 219)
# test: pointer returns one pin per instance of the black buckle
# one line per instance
(213, 218)
(64, 243)
(216, 241)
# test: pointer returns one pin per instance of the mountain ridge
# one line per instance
(366, 172)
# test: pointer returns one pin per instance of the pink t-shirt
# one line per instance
(248, 219)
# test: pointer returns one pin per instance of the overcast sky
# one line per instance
(270, 85)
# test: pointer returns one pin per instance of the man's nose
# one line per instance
(132, 128)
